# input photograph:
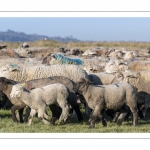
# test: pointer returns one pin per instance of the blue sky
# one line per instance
(83, 28)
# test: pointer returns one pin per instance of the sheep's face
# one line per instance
(7, 71)
(16, 91)
(4, 72)
(81, 86)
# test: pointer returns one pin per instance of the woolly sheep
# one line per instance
(9, 54)
(52, 59)
(19, 74)
(6, 87)
(115, 65)
(140, 80)
(139, 65)
(38, 98)
(108, 96)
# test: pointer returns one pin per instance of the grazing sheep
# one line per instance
(108, 96)
(38, 98)
(19, 74)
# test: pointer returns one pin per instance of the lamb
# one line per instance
(38, 98)
(108, 96)
(6, 87)
(139, 80)
(19, 74)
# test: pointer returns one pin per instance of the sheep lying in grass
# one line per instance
(99, 97)
(60, 59)
(38, 98)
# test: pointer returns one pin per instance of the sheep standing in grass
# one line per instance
(38, 98)
(99, 97)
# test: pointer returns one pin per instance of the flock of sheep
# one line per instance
(111, 81)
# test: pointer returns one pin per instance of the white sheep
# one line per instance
(20, 74)
(38, 98)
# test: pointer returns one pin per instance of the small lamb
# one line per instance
(38, 98)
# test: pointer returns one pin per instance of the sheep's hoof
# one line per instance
(105, 125)
(89, 122)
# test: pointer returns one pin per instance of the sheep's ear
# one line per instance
(53, 55)
(119, 75)
(14, 69)
(132, 74)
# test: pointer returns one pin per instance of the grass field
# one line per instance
(8, 126)
(82, 45)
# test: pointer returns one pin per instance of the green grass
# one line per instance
(8, 126)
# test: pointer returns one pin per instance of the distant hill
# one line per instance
(12, 36)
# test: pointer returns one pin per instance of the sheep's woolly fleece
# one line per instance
(66, 60)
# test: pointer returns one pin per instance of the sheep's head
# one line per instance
(114, 66)
(82, 85)
(125, 76)
(4, 82)
(16, 91)
(6, 70)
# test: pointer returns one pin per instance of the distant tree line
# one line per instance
(12, 36)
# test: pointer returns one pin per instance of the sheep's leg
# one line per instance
(95, 113)
(121, 118)
(56, 112)
(87, 110)
(28, 110)
(13, 110)
(146, 105)
(135, 114)
(21, 115)
(32, 114)
(65, 112)
(78, 113)
(41, 114)
(45, 121)
(116, 116)
(46, 116)
(140, 113)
